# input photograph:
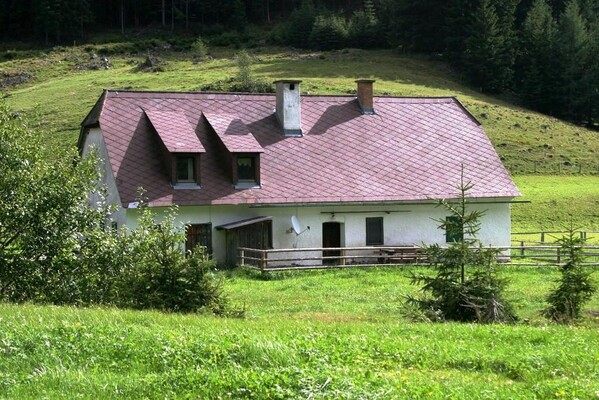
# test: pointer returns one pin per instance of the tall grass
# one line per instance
(338, 342)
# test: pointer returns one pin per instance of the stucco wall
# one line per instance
(402, 224)
(95, 142)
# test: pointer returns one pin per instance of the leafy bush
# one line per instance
(44, 215)
(55, 248)
(453, 294)
(244, 79)
(328, 33)
(575, 286)
(200, 48)
(157, 274)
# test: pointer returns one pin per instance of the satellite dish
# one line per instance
(297, 228)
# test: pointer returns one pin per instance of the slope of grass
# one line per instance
(527, 141)
(555, 202)
(319, 335)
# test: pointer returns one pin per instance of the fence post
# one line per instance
(542, 237)
(242, 257)
(559, 256)
(263, 261)
(522, 248)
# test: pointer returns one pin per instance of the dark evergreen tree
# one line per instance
(573, 54)
(458, 14)
(536, 64)
(486, 59)
(328, 33)
(364, 28)
(300, 25)
(414, 24)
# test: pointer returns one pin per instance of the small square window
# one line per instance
(374, 231)
(246, 169)
(185, 169)
(453, 230)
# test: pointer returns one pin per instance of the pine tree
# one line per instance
(536, 62)
(485, 58)
(573, 52)
(458, 14)
(466, 286)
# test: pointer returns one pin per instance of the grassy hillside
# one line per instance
(527, 141)
(317, 335)
(62, 95)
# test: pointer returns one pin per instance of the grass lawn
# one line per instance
(319, 335)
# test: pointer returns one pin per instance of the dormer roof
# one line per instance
(233, 133)
(175, 131)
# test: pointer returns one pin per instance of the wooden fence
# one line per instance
(347, 257)
(542, 237)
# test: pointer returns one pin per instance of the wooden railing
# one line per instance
(346, 257)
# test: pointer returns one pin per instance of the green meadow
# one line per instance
(337, 334)
(310, 335)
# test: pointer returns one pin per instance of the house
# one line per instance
(357, 170)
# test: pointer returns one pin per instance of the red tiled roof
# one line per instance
(233, 133)
(412, 149)
(175, 132)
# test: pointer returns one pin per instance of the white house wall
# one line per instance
(94, 141)
(402, 224)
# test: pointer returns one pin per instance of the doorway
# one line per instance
(331, 237)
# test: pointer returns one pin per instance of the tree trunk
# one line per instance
(163, 13)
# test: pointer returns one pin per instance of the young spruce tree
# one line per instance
(575, 286)
(466, 286)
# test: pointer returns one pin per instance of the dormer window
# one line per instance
(185, 169)
(181, 147)
(246, 171)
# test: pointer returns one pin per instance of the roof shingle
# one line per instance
(412, 149)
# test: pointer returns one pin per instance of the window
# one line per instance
(198, 235)
(246, 169)
(185, 169)
(374, 231)
(453, 230)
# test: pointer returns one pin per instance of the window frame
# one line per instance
(193, 168)
(451, 236)
(370, 241)
(205, 232)
(253, 181)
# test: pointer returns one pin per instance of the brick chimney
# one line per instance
(289, 111)
(365, 95)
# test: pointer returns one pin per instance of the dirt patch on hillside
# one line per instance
(13, 78)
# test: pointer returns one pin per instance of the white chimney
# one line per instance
(289, 111)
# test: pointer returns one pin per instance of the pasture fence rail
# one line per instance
(371, 256)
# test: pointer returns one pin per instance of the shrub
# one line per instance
(328, 33)
(157, 273)
(466, 286)
(44, 216)
(199, 48)
(575, 286)
(244, 80)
